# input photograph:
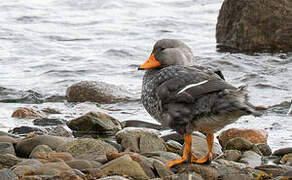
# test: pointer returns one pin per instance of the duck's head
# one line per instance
(167, 52)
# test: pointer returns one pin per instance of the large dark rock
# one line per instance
(99, 92)
(255, 25)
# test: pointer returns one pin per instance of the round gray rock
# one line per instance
(6, 147)
(93, 91)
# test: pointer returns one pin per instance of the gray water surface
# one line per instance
(45, 46)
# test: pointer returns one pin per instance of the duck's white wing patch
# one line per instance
(192, 85)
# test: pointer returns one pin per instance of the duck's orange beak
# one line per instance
(150, 63)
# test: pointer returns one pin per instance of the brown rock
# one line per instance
(40, 152)
(67, 175)
(140, 140)
(60, 155)
(232, 155)
(274, 170)
(205, 171)
(95, 92)
(33, 177)
(124, 166)
(27, 112)
(238, 143)
(82, 164)
(8, 160)
(7, 139)
(250, 25)
(161, 169)
(86, 148)
(253, 135)
(24, 170)
(53, 168)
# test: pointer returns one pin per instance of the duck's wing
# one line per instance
(189, 84)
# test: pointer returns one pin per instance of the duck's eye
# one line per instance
(161, 49)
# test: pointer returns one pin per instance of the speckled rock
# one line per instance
(53, 168)
(232, 155)
(6, 148)
(7, 174)
(100, 92)
(25, 146)
(35, 163)
(124, 165)
(238, 143)
(251, 158)
(59, 130)
(95, 121)
(205, 171)
(8, 160)
(40, 152)
(27, 112)
(140, 140)
(265, 149)
(250, 25)
(90, 148)
(23, 170)
(227, 170)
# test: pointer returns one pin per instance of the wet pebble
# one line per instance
(282, 151)
(238, 143)
(47, 122)
(251, 158)
(28, 112)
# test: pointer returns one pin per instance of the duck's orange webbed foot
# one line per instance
(186, 154)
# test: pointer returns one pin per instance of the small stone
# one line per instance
(124, 166)
(282, 151)
(67, 175)
(253, 135)
(173, 146)
(251, 158)
(265, 149)
(173, 136)
(90, 148)
(59, 130)
(232, 155)
(49, 110)
(168, 156)
(238, 143)
(6, 148)
(7, 174)
(33, 177)
(27, 112)
(205, 171)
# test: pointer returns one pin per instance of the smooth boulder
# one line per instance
(93, 91)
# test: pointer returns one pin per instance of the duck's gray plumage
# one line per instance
(186, 97)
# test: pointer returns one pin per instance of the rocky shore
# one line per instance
(101, 147)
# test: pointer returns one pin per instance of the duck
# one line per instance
(187, 97)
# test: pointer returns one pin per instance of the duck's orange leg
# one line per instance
(187, 152)
(208, 157)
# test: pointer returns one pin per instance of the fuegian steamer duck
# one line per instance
(186, 97)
